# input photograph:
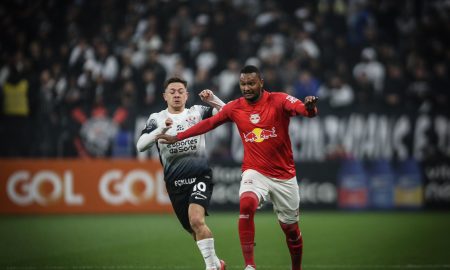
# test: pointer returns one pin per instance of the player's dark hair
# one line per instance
(174, 80)
(251, 69)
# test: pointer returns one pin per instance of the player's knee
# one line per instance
(196, 222)
(292, 231)
(287, 216)
(248, 203)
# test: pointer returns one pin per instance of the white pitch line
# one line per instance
(385, 266)
(274, 267)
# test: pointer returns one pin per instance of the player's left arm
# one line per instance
(212, 100)
(295, 106)
(149, 133)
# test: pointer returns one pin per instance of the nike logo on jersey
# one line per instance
(199, 196)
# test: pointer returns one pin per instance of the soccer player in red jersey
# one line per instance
(268, 168)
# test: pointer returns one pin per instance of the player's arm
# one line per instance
(212, 100)
(148, 134)
(199, 128)
(295, 106)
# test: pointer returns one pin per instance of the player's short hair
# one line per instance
(175, 80)
(251, 69)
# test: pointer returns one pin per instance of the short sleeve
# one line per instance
(290, 104)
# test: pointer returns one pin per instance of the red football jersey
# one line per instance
(264, 130)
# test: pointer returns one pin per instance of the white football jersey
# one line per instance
(186, 158)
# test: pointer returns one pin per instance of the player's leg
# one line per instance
(196, 215)
(286, 200)
(248, 202)
(252, 191)
(198, 204)
(181, 205)
(294, 242)
(203, 235)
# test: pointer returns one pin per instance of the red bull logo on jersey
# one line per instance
(259, 135)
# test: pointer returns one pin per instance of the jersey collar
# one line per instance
(262, 100)
(176, 114)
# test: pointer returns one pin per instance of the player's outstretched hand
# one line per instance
(166, 139)
(206, 95)
(310, 102)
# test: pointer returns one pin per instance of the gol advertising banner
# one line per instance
(82, 186)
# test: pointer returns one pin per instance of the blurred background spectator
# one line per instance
(65, 63)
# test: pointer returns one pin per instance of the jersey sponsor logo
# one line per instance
(182, 182)
(191, 120)
(183, 146)
(291, 99)
(259, 135)
(254, 118)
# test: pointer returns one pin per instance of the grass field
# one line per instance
(333, 240)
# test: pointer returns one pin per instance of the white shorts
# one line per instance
(284, 194)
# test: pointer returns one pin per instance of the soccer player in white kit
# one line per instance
(187, 173)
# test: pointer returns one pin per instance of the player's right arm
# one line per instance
(148, 134)
(199, 128)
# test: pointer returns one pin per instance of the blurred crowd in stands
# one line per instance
(66, 66)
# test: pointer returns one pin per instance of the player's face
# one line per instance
(176, 96)
(251, 86)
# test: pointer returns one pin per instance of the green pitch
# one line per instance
(333, 240)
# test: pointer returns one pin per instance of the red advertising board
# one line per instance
(82, 186)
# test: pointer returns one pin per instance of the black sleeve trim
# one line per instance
(207, 113)
(149, 127)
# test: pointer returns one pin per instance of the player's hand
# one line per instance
(310, 102)
(206, 95)
(169, 122)
(166, 139)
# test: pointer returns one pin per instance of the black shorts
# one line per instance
(198, 192)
